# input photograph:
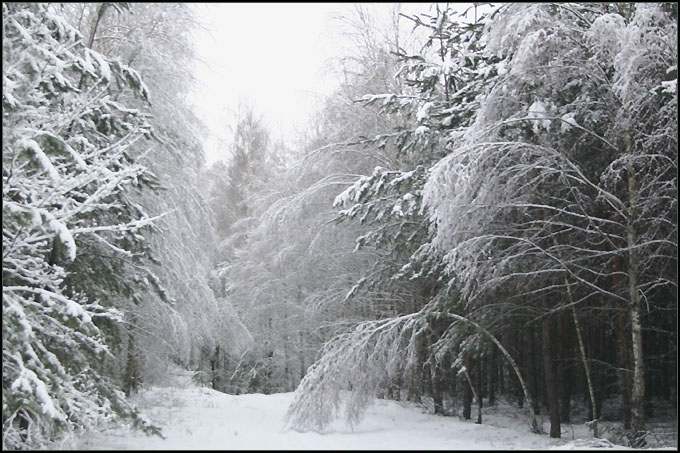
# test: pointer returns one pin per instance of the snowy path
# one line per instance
(202, 419)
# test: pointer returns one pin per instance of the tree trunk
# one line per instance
(480, 383)
(467, 391)
(492, 370)
(637, 398)
(550, 382)
(519, 347)
(427, 388)
(215, 369)
(584, 358)
(624, 371)
(397, 384)
(131, 383)
(436, 386)
(533, 371)
(416, 375)
(564, 370)
(452, 381)
(501, 377)
(303, 367)
(287, 378)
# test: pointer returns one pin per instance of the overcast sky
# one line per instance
(273, 54)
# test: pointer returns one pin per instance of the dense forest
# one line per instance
(485, 208)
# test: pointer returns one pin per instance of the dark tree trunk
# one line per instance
(550, 382)
(416, 375)
(521, 362)
(501, 376)
(492, 376)
(215, 369)
(452, 379)
(427, 388)
(131, 383)
(480, 376)
(436, 387)
(397, 385)
(602, 372)
(533, 371)
(467, 392)
(564, 369)
(436, 380)
(303, 366)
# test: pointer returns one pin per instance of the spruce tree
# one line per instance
(67, 169)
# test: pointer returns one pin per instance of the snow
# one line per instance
(198, 418)
(670, 86)
(421, 130)
(104, 67)
(538, 110)
(28, 382)
(424, 111)
(568, 120)
(64, 234)
(36, 217)
(40, 156)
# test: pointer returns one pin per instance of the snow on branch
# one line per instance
(351, 369)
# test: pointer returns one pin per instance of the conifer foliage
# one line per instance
(67, 169)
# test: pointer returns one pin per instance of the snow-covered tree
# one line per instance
(68, 171)
(548, 141)
(567, 179)
(406, 274)
(156, 39)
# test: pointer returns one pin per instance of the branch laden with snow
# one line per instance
(66, 170)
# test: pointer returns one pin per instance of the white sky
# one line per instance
(272, 54)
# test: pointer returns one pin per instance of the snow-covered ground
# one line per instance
(195, 418)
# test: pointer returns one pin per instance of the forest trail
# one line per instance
(198, 418)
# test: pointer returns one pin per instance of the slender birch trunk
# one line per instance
(638, 388)
(584, 359)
